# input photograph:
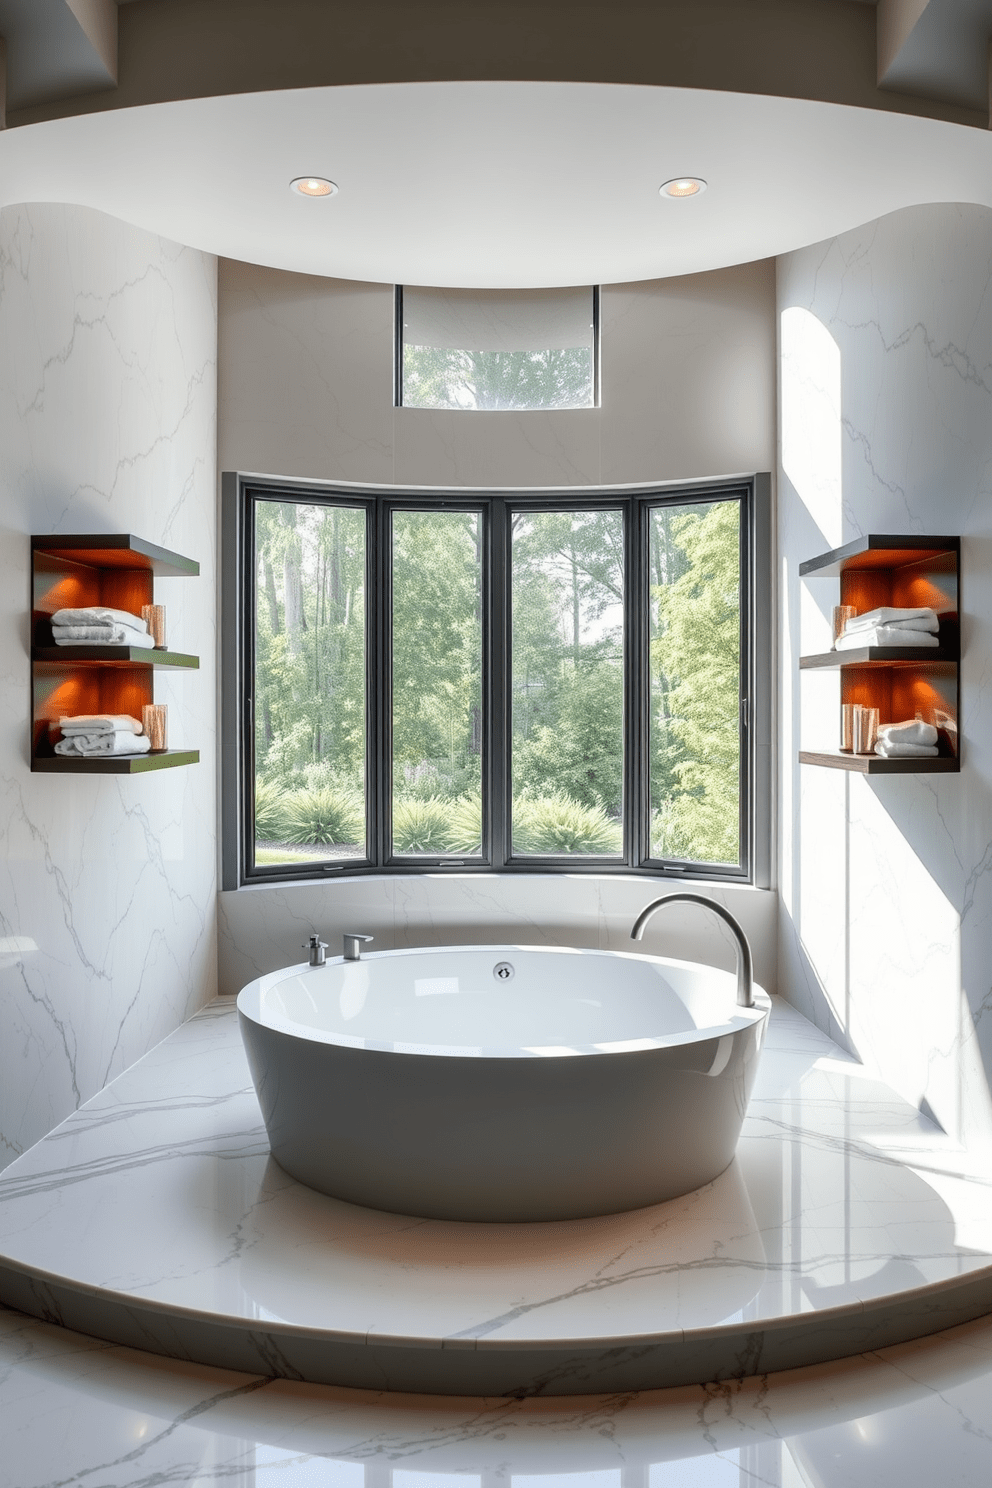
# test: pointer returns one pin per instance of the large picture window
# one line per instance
(508, 681)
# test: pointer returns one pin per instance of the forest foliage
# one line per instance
(567, 575)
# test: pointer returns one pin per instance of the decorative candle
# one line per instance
(842, 613)
(154, 720)
(154, 617)
(865, 729)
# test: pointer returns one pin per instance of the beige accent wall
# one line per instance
(306, 389)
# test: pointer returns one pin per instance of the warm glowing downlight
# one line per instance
(683, 186)
(313, 186)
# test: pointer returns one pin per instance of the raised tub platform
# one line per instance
(155, 1217)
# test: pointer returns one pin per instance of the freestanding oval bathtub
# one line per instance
(440, 1083)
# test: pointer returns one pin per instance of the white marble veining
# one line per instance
(74, 1410)
(886, 376)
(107, 424)
(847, 1220)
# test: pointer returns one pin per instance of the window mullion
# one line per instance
(497, 723)
(380, 682)
(635, 693)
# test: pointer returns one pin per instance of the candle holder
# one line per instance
(842, 613)
(154, 617)
(865, 729)
(154, 721)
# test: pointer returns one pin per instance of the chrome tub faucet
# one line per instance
(745, 975)
(353, 946)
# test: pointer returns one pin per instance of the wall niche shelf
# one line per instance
(906, 572)
(117, 570)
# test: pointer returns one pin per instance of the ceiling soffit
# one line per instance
(60, 62)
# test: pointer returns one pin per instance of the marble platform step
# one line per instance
(154, 1217)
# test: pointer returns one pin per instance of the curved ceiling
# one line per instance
(496, 184)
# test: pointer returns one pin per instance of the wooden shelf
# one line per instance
(120, 764)
(878, 551)
(108, 656)
(117, 550)
(902, 570)
(874, 764)
(117, 571)
(880, 656)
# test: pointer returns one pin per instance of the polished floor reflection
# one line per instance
(74, 1411)
(155, 1217)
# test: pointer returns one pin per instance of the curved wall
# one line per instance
(305, 390)
(107, 424)
(886, 426)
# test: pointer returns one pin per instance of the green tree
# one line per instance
(695, 657)
(444, 377)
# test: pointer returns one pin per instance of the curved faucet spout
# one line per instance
(745, 975)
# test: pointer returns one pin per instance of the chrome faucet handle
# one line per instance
(745, 974)
(316, 947)
(353, 945)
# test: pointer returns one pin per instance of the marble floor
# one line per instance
(155, 1218)
(74, 1411)
(888, 1207)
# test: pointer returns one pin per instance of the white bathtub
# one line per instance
(428, 1082)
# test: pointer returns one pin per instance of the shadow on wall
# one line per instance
(884, 920)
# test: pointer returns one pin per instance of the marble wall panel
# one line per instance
(261, 929)
(107, 424)
(886, 426)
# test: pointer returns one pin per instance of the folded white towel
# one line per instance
(884, 635)
(905, 751)
(100, 723)
(121, 741)
(101, 635)
(100, 615)
(922, 619)
(913, 731)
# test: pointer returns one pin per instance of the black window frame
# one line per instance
(239, 495)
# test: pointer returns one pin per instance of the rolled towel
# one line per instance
(121, 741)
(101, 635)
(884, 635)
(913, 731)
(100, 615)
(921, 619)
(100, 723)
(905, 751)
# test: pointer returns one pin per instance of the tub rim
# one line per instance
(252, 1006)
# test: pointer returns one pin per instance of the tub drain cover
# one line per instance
(502, 971)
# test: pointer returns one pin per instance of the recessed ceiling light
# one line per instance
(313, 186)
(683, 186)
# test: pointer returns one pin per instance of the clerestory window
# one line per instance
(497, 349)
(510, 681)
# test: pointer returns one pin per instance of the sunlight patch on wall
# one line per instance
(810, 371)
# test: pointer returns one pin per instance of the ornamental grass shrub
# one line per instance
(557, 824)
(326, 815)
(421, 825)
(270, 811)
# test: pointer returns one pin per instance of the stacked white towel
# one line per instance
(98, 625)
(889, 626)
(92, 734)
(911, 739)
